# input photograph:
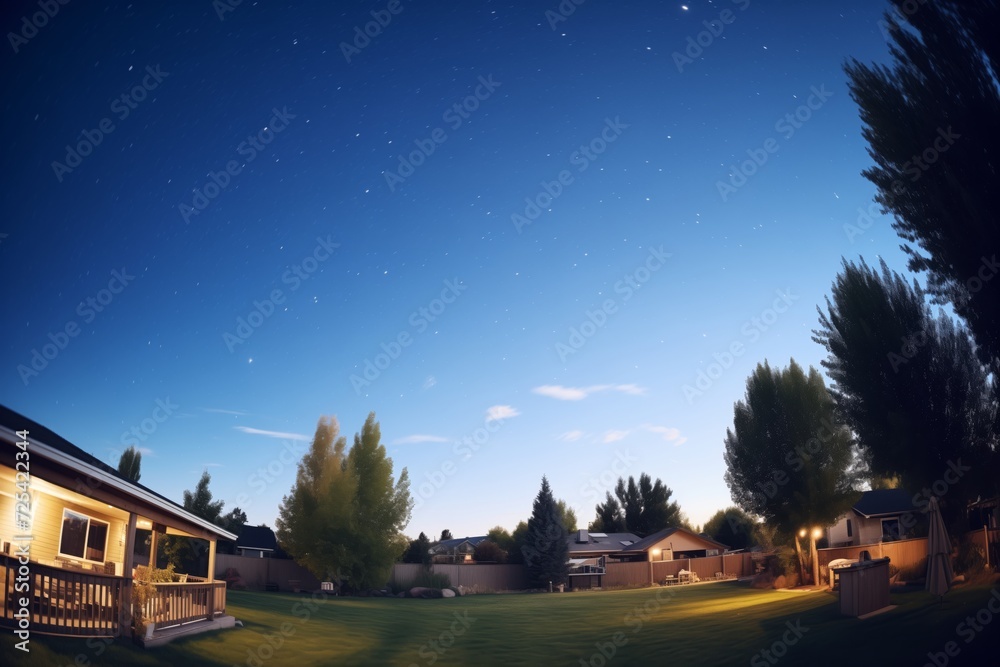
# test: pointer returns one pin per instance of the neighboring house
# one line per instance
(70, 521)
(671, 544)
(584, 544)
(256, 542)
(874, 518)
(458, 550)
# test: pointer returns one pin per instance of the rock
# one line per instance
(457, 590)
(780, 581)
(447, 593)
(425, 593)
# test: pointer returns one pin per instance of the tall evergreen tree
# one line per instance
(200, 502)
(546, 547)
(909, 385)
(930, 123)
(129, 463)
(609, 516)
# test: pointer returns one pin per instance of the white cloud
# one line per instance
(273, 434)
(614, 436)
(562, 393)
(501, 412)
(238, 413)
(669, 433)
(418, 438)
(570, 436)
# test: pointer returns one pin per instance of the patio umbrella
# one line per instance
(939, 573)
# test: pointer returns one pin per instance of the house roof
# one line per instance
(50, 445)
(257, 537)
(884, 502)
(448, 545)
(647, 542)
(599, 542)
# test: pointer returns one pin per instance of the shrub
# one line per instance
(970, 559)
(143, 591)
(428, 579)
(915, 572)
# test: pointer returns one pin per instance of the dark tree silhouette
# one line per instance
(546, 548)
(129, 464)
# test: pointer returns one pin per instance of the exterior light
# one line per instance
(802, 533)
(817, 533)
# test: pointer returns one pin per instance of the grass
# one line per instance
(717, 624)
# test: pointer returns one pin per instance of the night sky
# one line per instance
(531, 243)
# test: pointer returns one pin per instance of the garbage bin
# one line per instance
(864, 587)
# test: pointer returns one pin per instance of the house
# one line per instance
(458, 550)
(671, 544)
(78, 528)
(589, 554)
(876, 517)
(256, 542)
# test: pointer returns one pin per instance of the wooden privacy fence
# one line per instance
(988, 541)
(901, 553)
(484, 577)
(258, 572)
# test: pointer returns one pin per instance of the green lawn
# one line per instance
(718, 624)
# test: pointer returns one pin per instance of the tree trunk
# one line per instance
(798, 552)
(814, 554)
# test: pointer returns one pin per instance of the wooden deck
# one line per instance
(82, 603)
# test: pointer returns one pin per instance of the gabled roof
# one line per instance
(884, 502)
(50, 445)
(647, 543)
(449, 545)
(257, 537)
(599, 542)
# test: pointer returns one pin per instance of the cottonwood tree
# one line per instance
(910, 386)
(788, 455)
(546, 548)
(345, 515)
(129, 464)
(930, 122)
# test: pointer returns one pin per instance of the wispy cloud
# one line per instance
(614, 436)
(418, 438)
(562, 393)
(570, 436)
(668, 433)
(273, 434)
(220, 411)
(501, 412)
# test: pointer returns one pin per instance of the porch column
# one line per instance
(152, 547)
(125, 603)
(211, 579)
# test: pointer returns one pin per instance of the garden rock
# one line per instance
(780, 581)
(425, 593)
(447, 593)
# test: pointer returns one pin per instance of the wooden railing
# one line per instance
(66, 602)
(177, 603)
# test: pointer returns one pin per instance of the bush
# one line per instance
(428, 579)
(143, 591)
(914, 573)
(970, 559)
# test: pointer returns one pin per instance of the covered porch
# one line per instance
(74, 537)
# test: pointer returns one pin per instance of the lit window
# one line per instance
(82, 537)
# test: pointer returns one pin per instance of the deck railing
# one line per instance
(82, 603)
(176, 603)
(65, 602)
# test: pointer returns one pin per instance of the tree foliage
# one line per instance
(546, 548)
(568, 516)
(445, 535)
(200, 502)
(129, 463)
(908, 384)
(930, 123)
(788, 455)
(733, 527)
(418, 550)
(344, 516)
(641, 508)
(489, 551)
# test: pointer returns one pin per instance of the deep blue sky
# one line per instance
(615, 403)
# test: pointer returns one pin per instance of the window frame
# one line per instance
(86, 537)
